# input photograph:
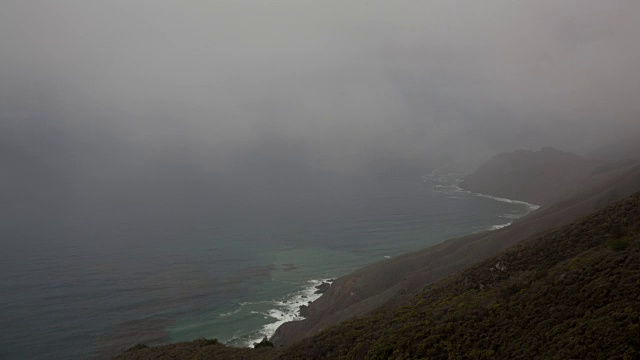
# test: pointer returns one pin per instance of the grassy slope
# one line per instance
(573, 292)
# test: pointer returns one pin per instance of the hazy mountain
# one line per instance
(621, 150)
(538, 177)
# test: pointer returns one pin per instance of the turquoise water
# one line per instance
(212, 271)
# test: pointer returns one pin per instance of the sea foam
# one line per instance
(498, 227)
(449, 184)
(287, 310)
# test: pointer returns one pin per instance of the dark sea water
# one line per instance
(85, 287)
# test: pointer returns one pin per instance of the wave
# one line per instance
(498, 227)
(241, 306)
(286, 310)
(231, 313)
(532, 207)
(245, 303)
(451, 184)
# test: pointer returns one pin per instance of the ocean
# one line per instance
(91, 287)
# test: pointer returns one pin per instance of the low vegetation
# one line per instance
(200, 349)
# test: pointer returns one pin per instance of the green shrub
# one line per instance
(618, 244)
(382, 349)
(540, 274)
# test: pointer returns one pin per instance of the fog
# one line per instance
(172, 101)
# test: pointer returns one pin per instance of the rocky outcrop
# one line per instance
(322, 288)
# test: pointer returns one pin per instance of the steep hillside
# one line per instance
(538, 177)
(394, 281)
(573, 292)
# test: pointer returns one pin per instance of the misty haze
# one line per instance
(253, 171)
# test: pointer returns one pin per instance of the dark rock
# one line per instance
(262, 344)
(322, 288)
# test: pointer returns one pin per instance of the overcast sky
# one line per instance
(334, 84)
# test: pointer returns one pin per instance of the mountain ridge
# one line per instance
(538, 177)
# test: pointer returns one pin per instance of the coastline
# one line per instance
(454, 188)
(288, 309)
(457, 189)
(452, 182)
